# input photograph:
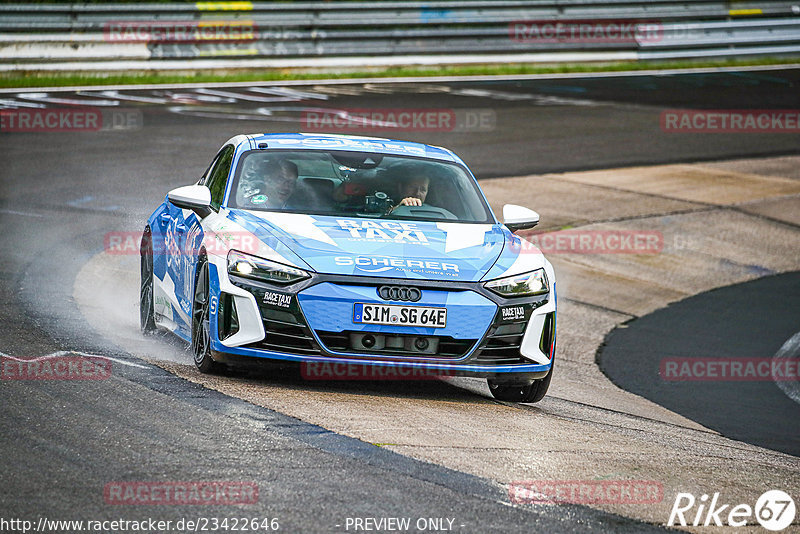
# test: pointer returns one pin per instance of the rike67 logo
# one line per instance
(774, 510)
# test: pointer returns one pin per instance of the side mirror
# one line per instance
(192, 197)
(519, 218)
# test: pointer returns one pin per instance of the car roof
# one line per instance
(352, 143)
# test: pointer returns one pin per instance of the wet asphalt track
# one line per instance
(61, 192)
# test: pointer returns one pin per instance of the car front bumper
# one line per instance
(311, 321)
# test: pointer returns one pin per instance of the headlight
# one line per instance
(521, 285)
(246, 266)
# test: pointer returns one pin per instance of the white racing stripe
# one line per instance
(296, 224)
(460, 235)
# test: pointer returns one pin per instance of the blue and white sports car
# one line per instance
(343, 250)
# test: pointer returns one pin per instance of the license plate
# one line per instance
(399, 315)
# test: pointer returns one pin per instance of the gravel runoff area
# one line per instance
(720, 224)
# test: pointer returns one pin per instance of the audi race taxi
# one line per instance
(350, 251)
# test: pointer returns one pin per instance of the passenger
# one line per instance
(280, 183)
(269, 185)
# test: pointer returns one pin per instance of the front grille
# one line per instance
(449, 348)
(285, 333)
(501, 345)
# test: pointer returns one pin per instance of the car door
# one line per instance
(184, 235)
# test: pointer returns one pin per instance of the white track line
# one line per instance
(789, 351)
(26, 214)
(60, 353)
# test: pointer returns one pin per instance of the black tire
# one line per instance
(147, 322)
(533, 392)
(201, 323)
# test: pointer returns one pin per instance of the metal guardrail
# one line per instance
(42, 35)
(88, 17)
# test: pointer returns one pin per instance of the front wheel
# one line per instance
(201, 322)
(146, 309)
(533, 392)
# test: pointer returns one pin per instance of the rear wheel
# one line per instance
(201, 322)
(533, 392)
(147, 321)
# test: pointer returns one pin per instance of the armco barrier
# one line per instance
(153, 36)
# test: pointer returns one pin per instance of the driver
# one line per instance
(413, 187)
(413, 191)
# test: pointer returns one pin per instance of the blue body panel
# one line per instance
(383, 248)
(176, 243)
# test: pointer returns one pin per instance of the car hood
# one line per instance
(385, 248)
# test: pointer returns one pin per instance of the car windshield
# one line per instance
(356, 184)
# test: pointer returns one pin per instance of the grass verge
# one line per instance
(39, 79)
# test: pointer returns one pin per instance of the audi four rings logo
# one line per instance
(410, 294)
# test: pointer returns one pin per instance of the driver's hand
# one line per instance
(410, 201)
